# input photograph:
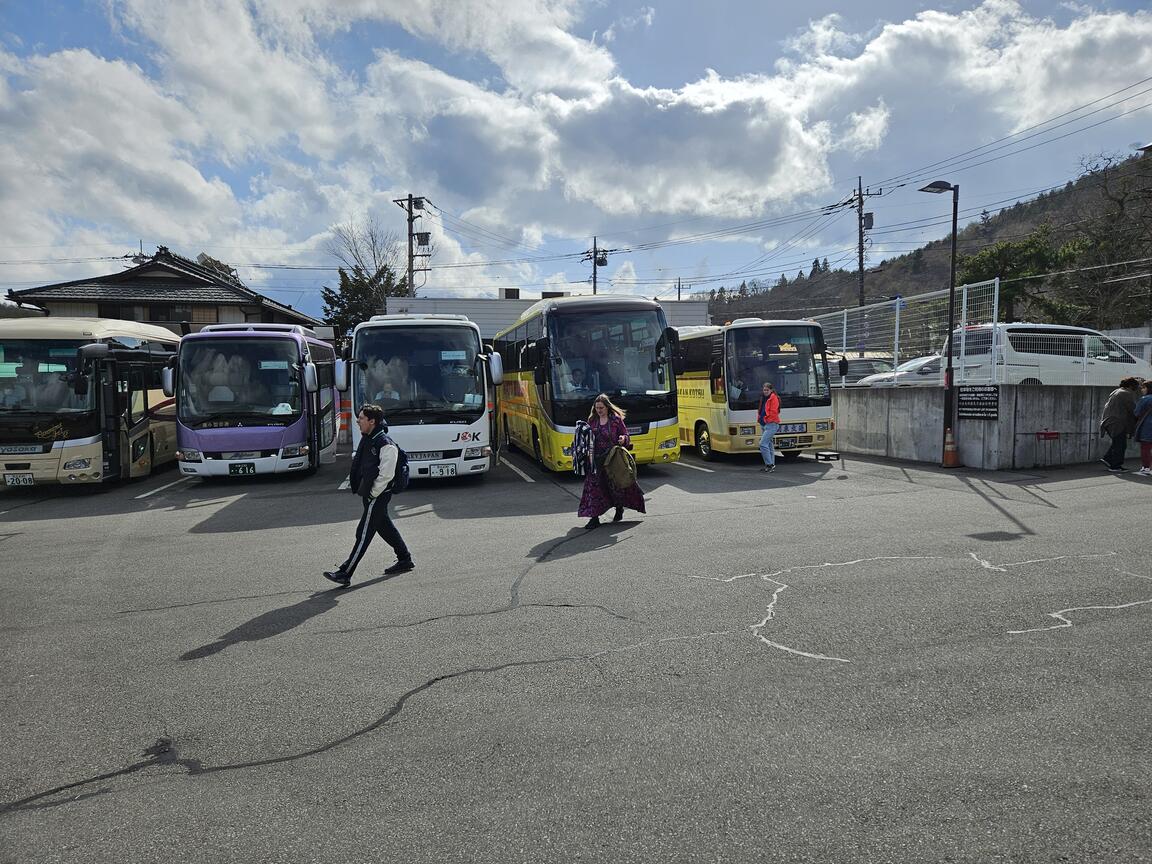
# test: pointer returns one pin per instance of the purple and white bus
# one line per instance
(254, 399)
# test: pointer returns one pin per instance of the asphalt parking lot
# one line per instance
(849, 661)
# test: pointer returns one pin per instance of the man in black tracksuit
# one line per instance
(373, 467)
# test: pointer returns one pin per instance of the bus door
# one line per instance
(135, 438)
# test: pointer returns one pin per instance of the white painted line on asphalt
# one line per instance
(524, 476)
(162, 488)
(694, 467)
(344, 484)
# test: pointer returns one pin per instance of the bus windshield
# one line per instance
(36, 378)
(790, 356)
(234, 378)
(415, 372)
(612, 351)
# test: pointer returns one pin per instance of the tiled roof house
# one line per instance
(165, 289)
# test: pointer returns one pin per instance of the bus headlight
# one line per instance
(668, 444)
(473, 452)
(747, 430)
(294, 450)
(188, 455)
(77, 464)
(823, 427)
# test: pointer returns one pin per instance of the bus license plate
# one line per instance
(242, 468)
(794, 428)
(445, 470)
(784, 443)
(18, 480)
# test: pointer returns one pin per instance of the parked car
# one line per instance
(1023, 353)
(849, 370)
(921, 372)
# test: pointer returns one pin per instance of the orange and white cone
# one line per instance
(951, 454)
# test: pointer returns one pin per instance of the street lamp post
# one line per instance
(937, 187)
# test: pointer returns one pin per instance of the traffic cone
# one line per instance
(951, 454)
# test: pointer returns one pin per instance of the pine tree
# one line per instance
(360, 296)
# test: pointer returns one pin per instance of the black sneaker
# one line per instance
(400, 567)
(594, 522)
(767, 469)
(1117, 470)
(337, 576)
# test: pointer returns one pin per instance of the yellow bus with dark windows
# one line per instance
(563, 351)
(81, 400)
(723, 370)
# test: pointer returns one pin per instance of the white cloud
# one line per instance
(644, 16)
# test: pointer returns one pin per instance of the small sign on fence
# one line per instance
(1047, 435)
(978, 402)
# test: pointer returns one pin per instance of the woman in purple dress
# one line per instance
(607, 430)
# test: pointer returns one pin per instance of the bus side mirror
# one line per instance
(842, 367)
(496, 367)
(311, 381)
(93, 351)
(79, 382)
(167, 381)
(341, 374)
(539, 374)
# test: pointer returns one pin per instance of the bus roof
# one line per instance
(742, 324)
(86, 329)
(416, 319)
(598, 301)
(247, 327)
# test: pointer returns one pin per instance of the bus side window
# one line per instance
(137, 394)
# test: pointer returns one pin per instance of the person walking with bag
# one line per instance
(605, 430)
(373, 468)
(768, 416)
(1143, 414)
(1119, 422)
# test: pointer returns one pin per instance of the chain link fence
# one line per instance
(906, 328)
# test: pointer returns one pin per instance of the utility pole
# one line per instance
(677, 288)
(863, 223)
(599, 258)
(415, 238)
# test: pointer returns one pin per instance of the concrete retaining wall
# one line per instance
(906, 423)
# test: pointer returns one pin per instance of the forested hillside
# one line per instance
(1077, 255)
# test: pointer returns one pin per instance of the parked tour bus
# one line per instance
(724, 369)
(433, 378)
(81, 400)
(565, 350)
(254, 399)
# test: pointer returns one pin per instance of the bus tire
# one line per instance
(704, 442)
(536, 448)
(1030, 382)
(508, 445)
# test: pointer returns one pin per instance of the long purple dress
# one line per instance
(598, 496)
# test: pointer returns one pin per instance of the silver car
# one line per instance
(921, 372)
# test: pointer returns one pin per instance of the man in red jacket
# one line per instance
(768, 416)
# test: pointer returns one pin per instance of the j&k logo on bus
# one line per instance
(467, 436)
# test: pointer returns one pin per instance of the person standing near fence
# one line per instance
(373, 468)
(768, 416)
(607, 429)
(1143, 414)
(1119, 421)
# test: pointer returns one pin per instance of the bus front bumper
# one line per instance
(65, 465)
(216, 467)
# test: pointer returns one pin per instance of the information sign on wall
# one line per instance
(978, 402)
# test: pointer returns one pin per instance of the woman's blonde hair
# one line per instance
(612, 409)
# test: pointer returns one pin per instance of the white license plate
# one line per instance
(424, 455)
(784, 443)
(445, 470)
(18, 480)
(794, 428)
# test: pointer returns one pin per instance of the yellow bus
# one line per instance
(81, 400)
(723, 370)
(563, 351)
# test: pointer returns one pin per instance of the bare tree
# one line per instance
(366, 247)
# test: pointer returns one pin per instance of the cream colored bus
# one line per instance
(81, 400)
(724, 368)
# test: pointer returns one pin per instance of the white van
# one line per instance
(1023, 353)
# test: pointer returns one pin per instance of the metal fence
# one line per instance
(987, 351)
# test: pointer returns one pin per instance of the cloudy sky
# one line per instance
(701, 141)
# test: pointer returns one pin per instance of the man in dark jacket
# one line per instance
(373, 468)
(1119, 421)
